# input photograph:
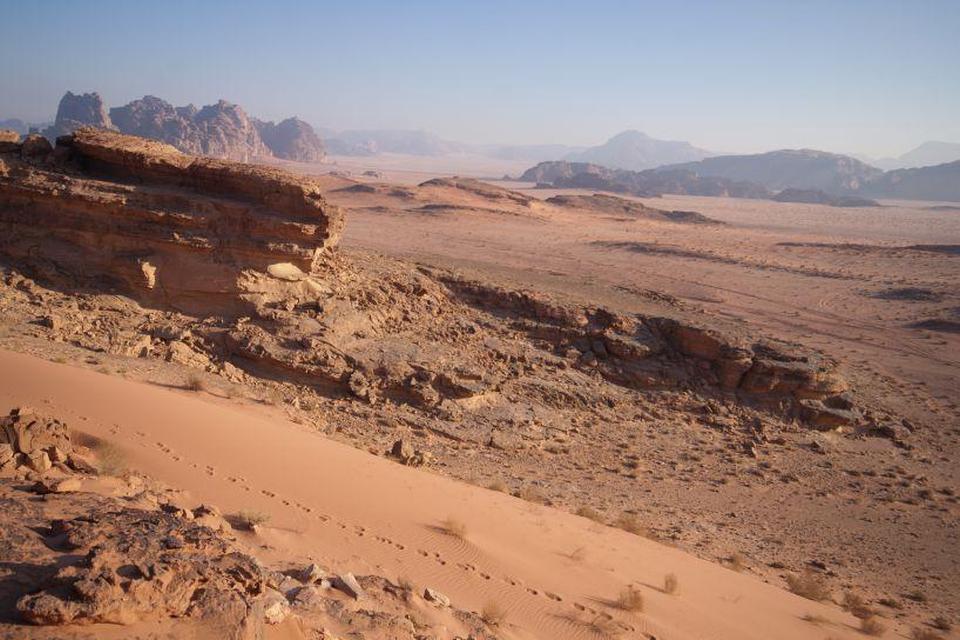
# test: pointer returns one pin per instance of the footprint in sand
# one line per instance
(269, 494)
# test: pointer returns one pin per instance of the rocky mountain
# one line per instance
(79, 110)
(222, 130)
(927, 154)
(788, 168)
(652, 182)
(291, 139)
(637, 151)
(815, 196)
(939, 182)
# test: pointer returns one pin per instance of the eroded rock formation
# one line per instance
(167, 228)
(291, 139)
(79, 110)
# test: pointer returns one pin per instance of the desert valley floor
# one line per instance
(487, 423)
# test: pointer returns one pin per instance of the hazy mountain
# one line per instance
(927, 154)
(222, 130)
(21, 127)
(372, 142)
(652, 182)
(637, 151)
(789, 168)
(939, 182)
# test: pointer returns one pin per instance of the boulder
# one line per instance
(349, 585)
(436, 597)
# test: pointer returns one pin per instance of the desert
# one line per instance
(291, 361)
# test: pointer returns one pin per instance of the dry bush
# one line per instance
(630, 599)
(497, 485)
(871, 626)
(250, 519)
(670, 583)
(590, 513)
(737, 562)
(631, 524)
(856, 605)
(924, 634)
(110, 459)
(493, 614)
(195, 383)
(456, 528)
(407, 587)
(533, 494)
(605, 626)
(809, 585)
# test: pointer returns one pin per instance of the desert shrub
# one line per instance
(251, 519)
(856, 605)
(809, 585)
(456, 528)
(590, 513)
(670, 583)
(533, 494)
(497, 485)
(605, 626)
(493, 614)
(871, 626)
(631, 524)
(630, 599)
(195, 383)
(737, 562)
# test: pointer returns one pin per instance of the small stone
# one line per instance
(349, 585)
(275, 607)
(311, 573)
(436, 597)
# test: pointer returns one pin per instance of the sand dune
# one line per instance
(333, 504)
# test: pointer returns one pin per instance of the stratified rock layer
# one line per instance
(167, 228)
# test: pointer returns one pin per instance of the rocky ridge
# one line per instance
(165, 227)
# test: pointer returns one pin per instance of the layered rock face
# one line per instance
(169, 229)
(291, 139)
(79, 110)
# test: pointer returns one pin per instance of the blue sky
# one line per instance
(872, 77)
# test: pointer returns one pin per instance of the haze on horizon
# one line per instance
(874, 78)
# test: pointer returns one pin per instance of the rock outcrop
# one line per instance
(291, 139)
(222, 130)
(32, 442)
(815, 196)
(79, 110)
(169, 229)
(652, 182)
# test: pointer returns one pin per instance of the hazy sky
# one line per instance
(871, 77)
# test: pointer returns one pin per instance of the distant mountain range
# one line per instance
(789, 168)
(927, 154)
(637, 151)
(221, 130)
(800, 175)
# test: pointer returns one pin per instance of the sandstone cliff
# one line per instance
(291, 139)
(165, 227)
(79, 110)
